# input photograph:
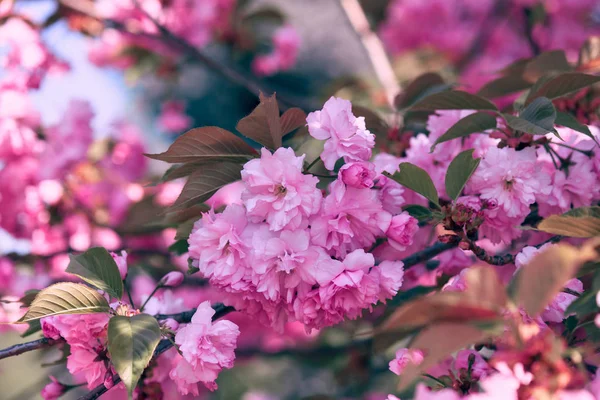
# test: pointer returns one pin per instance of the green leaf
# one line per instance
(28, 297)
(419, 212)
(263, 124)
(131, 344)
(35, 326)
(416, 179)
(548, 62)
(453, 100)
(586, 304)
(65, 298)
(204, 182)
(564, 84)
(537, 118)
(566, 119)
(97, 267)
(416, 88)
(583, 222)
(459, 172)
(540, 112)
(503, 86)
(209, 143)
(179, 247)
(474, 123)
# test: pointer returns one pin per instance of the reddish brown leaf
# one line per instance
(482, 301)
(207, 143)
(204, 182)
(291, 120)
(441, 306)
(263, 125)
(546, 274)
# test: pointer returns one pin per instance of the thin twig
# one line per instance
(428, 253)
(169, 38)
(28, 346)
(374, 48)
(503, 259)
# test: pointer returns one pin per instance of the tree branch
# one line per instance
(167, 37)
(428, 253)
(28, 346)
(374, 48)
(503, 259)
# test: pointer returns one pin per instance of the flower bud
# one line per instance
(401, 231)
(358, 174)
(108, 380)
(121, 261)
(53, 390)
(171, 324)
(172, 279)
(464, 245)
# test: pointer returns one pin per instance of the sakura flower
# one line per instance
(278, 191)
(217, 246)
(401, 231)
(121, 261)
(206, 348)
(357, 174)
(513, 178)
(172, 279)
(350, 219)
(286, 43)
(172, 118)
(355, 288)
(85, 361)
(346, 135)
(424, 393)
(287, 260)
(53, 390)
(404, 357)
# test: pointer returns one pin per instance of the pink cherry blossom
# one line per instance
(350, 219)
(357, 174)
(512, 178)
(286, 44)
(217, 245)
(206, 348)
(172, 118)
(404, 357)
(278, 191)
(346, 135)
(401, 231)
(121, 261)
(53, 390)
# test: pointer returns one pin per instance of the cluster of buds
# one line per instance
(466, 219)
(584, 105)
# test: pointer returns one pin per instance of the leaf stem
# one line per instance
(312, 164)
(158, 286)
(128, 293)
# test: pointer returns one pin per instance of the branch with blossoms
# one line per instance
(322, 242)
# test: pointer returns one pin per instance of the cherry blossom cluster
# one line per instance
(204, 349)
(287, 252)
